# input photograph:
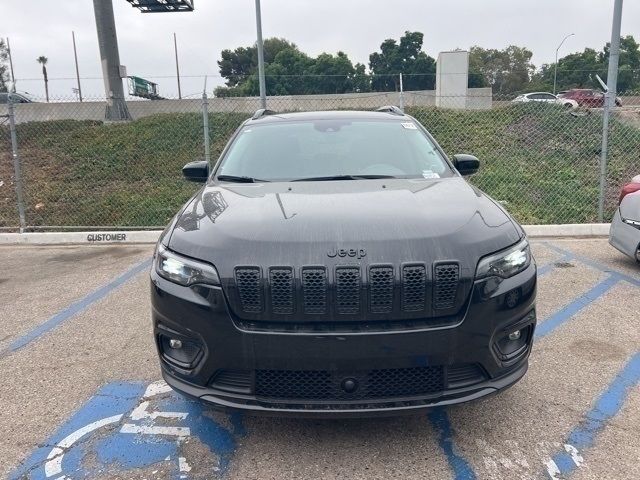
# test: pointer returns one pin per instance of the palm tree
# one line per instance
(42, 60)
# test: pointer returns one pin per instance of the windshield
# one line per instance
(329, 148)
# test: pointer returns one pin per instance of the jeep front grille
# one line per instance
(347, 293)
(348, 290)
(446, 285)
(314, 290)
(248, 282)
(414, 279)
(281, 284)
(381, 282)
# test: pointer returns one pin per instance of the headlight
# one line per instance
(506, 263)
(184, 271)
(633, 223)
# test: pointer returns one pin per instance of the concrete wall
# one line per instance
(29, 112)
(452, 74)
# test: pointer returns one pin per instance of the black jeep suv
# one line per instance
(338, 263)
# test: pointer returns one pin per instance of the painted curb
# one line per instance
(151, 236)
(61, 238)
(568, 230)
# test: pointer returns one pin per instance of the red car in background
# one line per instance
(587, 97)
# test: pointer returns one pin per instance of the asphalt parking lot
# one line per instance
(81, 396)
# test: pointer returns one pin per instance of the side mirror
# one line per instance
(466, 164)
(196, 171)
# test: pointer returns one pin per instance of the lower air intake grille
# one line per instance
(400, 382)
(232, 380)
(249, 289)
(303, 384)
(446, 285)
(463, 375)
(325, 385)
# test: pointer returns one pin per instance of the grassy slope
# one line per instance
(539, 159)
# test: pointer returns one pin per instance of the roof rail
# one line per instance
(261, 113)
(390, 109)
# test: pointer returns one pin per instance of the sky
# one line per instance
(357, 27)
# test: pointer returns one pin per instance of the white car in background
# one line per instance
(625, 226)
(545, 98)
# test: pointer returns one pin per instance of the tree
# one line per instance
(629, 63)
(576, 70)
(42, 60)
(4, 67)
(237, 65)
(406, 57)
(288, 71)
(505, 71)
(579, 70)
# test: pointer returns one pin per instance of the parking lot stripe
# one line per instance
(607, 406)
(75, 308)
(565, 313)
(596, 265)
(440, 421)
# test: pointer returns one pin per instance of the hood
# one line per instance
(310, 223)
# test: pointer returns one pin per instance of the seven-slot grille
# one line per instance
(348, 291)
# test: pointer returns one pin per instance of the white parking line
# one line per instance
(156, 430)
(54, 463)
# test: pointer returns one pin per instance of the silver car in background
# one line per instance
(545, 97)
(625, 226)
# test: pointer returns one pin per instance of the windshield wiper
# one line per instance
(342, 177)
(238, 179)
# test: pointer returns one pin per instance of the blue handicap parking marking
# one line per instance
(605, 408)
(129, 426)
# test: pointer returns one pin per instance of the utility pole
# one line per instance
(401, 93)
(555, 70)
(263, 87)
(75, 56)
(107, 40)
(13, 77)
(609, 99)
(175, 47)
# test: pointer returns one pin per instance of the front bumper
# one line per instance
(624, 237)
(439, 366)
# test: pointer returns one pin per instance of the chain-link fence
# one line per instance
(540, 159)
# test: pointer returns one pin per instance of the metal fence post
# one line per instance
(609, 101)
(205, 121)
(16, 163)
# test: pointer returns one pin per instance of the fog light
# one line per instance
(515, 335)
(183, 352)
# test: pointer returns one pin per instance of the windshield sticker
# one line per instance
(409, 126)
(430, 174)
